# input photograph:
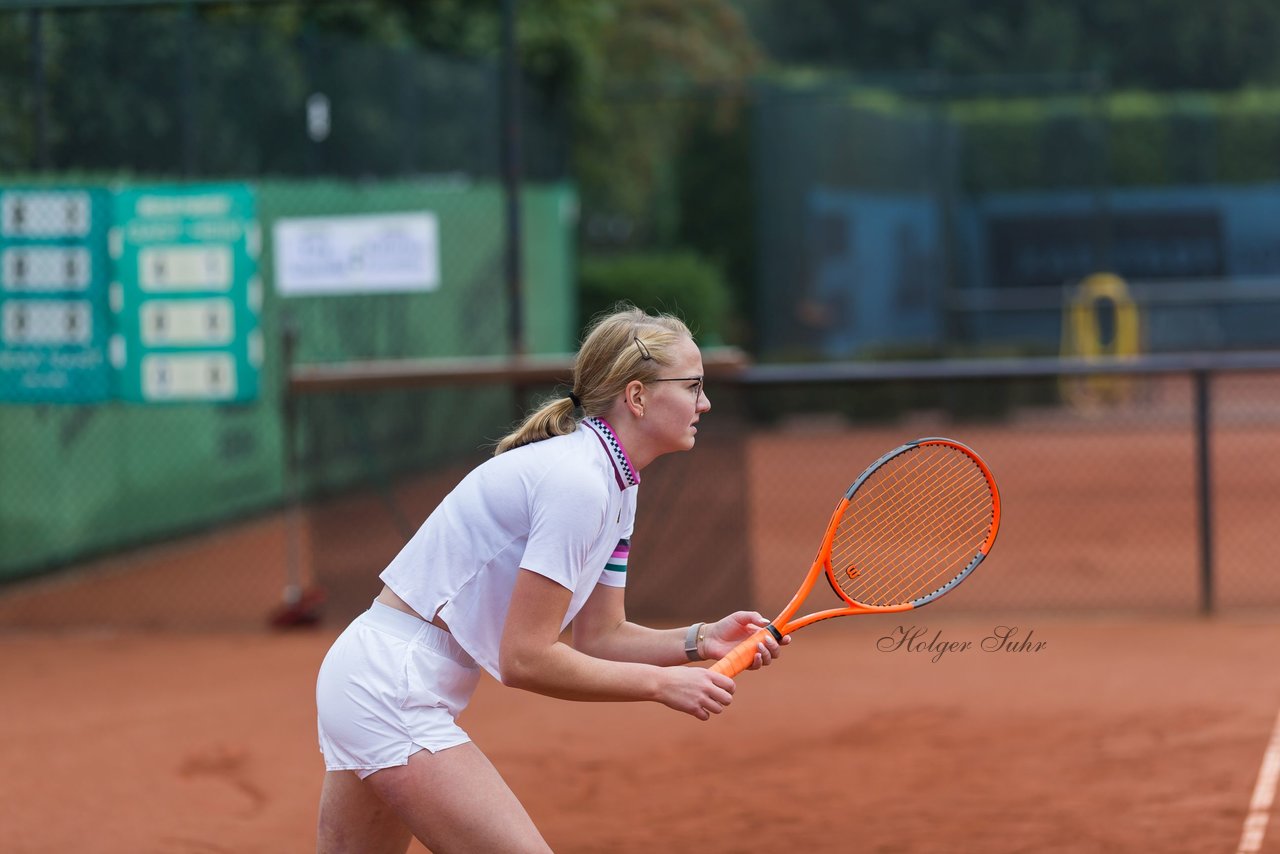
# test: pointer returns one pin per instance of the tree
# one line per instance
(1148, 44)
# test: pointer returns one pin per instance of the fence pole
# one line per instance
(511, 175)
(39, 93)
(187, 91)
(1203, 491)
(292, 487)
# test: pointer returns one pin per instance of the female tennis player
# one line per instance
(531, 541)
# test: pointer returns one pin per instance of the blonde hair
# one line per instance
(624, 345)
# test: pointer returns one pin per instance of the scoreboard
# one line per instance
(147, 294)
(54, 323)
(187, 296)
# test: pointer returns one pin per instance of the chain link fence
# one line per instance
(186, 189)
(855, 223)
(923, 216)
(254, 90)
(1153, 501)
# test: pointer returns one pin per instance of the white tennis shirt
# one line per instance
(563, 507)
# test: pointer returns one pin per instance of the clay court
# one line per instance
(149, 710)
(275, 275)
(1118, 735)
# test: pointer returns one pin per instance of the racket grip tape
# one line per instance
(741, 656)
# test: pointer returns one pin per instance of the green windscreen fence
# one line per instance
(78, 479)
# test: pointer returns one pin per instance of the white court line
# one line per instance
(1264, 795)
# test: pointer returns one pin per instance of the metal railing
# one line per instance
(1199, 367)
(733, 374)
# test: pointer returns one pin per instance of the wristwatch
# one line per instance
(692, 640)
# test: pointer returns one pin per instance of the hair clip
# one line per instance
(644, 351)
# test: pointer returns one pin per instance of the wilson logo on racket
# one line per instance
(915, 524)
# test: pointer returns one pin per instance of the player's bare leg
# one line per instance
(455, 801)
(354, 819)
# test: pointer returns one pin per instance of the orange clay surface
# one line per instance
(1126, 723)
(1117, 735)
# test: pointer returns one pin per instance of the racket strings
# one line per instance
(897, 524)
(892, 508)
(914, 528)
(944, 548)
(905, 573)
(937, 550)
(911, 581)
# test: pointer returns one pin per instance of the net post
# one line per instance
(1200, 380)
(292, 497)
(299, 605)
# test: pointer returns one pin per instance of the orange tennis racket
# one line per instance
(915, 524)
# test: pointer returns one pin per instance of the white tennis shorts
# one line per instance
(391, 685)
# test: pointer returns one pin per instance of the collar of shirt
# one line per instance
(623, 471)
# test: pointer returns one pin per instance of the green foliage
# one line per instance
(1123, 139)
(716, 198)
(680, 283)
(635, 111)
(1170, 45)
(1249, 136)
(1138, 138)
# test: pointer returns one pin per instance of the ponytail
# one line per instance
(553, 418)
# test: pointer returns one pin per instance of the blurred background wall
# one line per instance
(810, 182)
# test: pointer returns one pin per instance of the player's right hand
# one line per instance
(695, 691)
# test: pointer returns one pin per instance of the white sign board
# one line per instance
(377, 253)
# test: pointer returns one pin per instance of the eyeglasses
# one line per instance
(697, 389)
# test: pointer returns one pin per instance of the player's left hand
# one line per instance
(722, 636)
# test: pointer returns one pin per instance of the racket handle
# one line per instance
(741, 656)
